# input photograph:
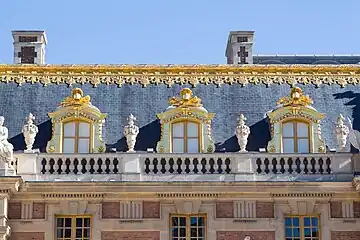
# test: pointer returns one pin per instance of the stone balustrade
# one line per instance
(185, 167)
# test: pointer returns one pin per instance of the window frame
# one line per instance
(188, 225)
(77, 123)
(295, 123)
(73, 226)
(301, 224)
(185, 138)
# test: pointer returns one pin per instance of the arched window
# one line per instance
(185, 137)
(295, 137)
(76, 137)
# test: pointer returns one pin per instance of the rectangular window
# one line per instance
(295, 137)
(185, 137)
(302, 228)
(77, 137)
(188, 227)
(73, 228)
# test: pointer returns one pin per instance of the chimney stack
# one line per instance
(239, 47)
(29, 47)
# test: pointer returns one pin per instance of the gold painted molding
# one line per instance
(181, 74)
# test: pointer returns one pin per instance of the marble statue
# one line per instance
(30, 131)
(6, 148)
(131, 131)
(354, 136)
(341, 132)
(242, 133)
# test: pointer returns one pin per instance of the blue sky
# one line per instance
(179, 31)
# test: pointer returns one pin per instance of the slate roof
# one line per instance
(226, 101)
(306, 59)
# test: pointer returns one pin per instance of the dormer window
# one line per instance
(76, 137)
(295, 125)
(185, 126)
(295, 137)
(185, 137)
(77, 126)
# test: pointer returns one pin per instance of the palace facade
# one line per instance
(261, 148)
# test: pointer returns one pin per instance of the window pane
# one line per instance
(182, 221)
(288, 129)
(296, 222)
(87, 222)
(192, 129)
(288, 232)
(182, 232)
(79, 222)
(60, 222)
(314, 221)
(192, 145)
(303, 145)
(60, 233)
(178, 145)
(69, 145)
(69, 129)
(83, 145)
(67, 222)
(84, 129)
(288, 146)
(175, 221)
(178, 130)
(302, 130)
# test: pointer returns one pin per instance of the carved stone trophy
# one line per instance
(30, 130)
(131, 131)
(341, 132)
(242, 133)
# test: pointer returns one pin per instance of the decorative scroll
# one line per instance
(181, 74)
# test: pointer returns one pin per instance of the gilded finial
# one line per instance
(296, 98)
(187, 99)
(76, 99)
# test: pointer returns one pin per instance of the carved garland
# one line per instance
(181, 74)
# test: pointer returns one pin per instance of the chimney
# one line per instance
(29, 47)
(239, 47)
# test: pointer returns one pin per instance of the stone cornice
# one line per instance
(181, 74)
(144, 188)
(10, 185)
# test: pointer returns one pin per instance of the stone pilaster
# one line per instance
(7, 187)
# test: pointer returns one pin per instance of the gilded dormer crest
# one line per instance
(185, 126)
(76, 99)
(186, 100)
(296, 98)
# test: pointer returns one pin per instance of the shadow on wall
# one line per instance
(41, 139)
(355, 101)
(258, 138)
(148, 137)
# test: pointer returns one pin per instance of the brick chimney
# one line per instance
(29, 47)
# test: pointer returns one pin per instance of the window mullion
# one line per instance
(73, 228)
(302, 230)
(185, 137)
(188, 228)
(295, 137)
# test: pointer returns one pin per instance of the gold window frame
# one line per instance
(301, 224)
(185, 122)
(295, 122)
(77, 122)
(73, 226)
(188, 224)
